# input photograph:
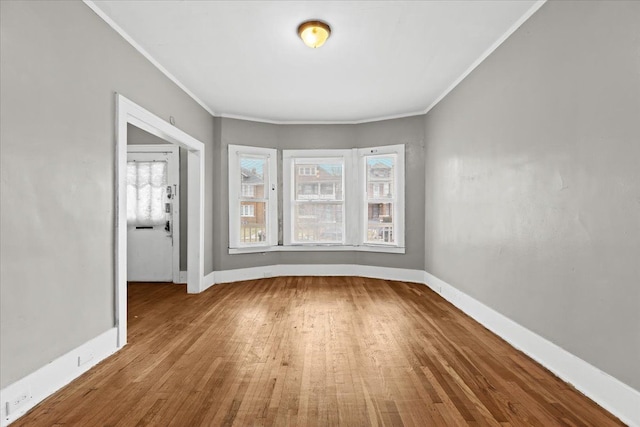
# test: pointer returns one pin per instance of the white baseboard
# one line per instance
(613, 395)
(27, 392)
(387, 273)
(278, 270)
(182, 280)
(209, 280)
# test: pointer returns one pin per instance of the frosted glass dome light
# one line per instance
(314, 33)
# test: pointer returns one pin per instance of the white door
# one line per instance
(152, 184)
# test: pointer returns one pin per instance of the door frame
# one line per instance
(128, 112)
(174, 169)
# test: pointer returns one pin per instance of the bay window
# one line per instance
(349, 199)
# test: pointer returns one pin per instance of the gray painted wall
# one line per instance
(60, 65)
(533, 182)
(137, 136)
(409, 131)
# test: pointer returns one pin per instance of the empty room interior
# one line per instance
(314, 213)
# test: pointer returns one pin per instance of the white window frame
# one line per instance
(398, 192)
(288, 167)
(235, 196)
(355, 206)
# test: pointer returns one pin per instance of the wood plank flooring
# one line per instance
(312, 351)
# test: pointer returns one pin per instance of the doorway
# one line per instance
(128, 112)
(153, 213)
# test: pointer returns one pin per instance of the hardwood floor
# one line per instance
(311, 351)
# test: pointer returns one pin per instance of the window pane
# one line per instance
(307, 191)
(253, 171)
(253, 225)
(318, 222)
(381, 188)
(253, 197)
(318, 179)
(146, 193)
(380, 177)
(380, 223)
(327, 189)
(317, 208)
(248, 190)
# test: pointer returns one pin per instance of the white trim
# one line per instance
(354, 202)
(182, 278)
(174, 171)
(320, 122)
(37, 386)
(144, 53)
(278, 270)
(152, 148)
(130, 112)
(318, 248)
(607, 391)
(209, 280)
(195, 221)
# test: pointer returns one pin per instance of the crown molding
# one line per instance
(533, 9)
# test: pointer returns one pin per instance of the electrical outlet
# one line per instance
(85, 358)
(18, 401)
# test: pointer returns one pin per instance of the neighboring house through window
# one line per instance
(314, 199)
(381, 199)
(248, 190)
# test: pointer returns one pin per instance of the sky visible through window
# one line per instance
(384, 161)
(253, 164)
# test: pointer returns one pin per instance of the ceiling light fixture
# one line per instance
(314, 33)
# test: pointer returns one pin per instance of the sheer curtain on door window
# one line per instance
(146, 193)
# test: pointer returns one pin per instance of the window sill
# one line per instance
(317, 248)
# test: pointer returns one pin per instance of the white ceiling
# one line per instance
(384, 58)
